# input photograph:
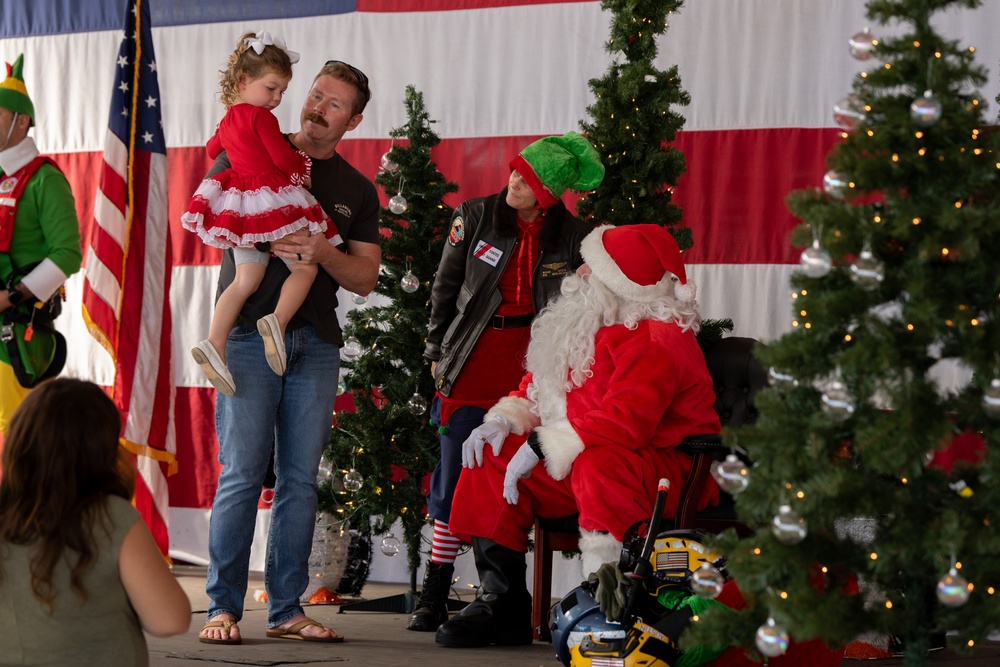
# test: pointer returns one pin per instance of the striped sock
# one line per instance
(444, 548)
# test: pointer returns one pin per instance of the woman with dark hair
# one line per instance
(80, 574)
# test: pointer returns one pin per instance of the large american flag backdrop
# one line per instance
(763, 76)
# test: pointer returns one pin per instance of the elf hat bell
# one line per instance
(13, 93)
(552, 165)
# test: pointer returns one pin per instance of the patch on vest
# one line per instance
(7, 185)
(457, 233)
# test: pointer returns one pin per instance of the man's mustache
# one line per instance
(316, 118)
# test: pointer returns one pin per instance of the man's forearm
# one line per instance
(355, 273)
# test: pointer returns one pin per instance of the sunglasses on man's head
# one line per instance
(362, 77)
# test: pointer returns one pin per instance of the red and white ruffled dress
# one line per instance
(260, 198)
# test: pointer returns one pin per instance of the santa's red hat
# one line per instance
(638, 262)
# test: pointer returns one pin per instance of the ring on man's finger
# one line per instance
(299, 255)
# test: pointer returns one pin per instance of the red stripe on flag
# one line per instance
(446, 5)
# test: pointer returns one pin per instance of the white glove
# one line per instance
(494, 431)
(520, 466)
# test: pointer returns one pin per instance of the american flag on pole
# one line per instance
(127, 283)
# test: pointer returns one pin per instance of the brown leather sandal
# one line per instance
(227, 625)
(294, 631)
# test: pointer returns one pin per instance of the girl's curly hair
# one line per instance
(245, 60)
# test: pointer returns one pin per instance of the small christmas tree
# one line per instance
(633, 123)
(381, 451)
(853, 481)
(632, 126)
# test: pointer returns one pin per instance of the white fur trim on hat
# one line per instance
(596, 549)
(560, 445)
(687, 292)
(608, 272)
(517, 411)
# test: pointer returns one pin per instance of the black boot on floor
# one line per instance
(432, 607)
(501, 614)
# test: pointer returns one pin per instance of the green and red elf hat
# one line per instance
(552, 165)
(13, 93)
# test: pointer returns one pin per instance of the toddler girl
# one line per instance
(261, 198)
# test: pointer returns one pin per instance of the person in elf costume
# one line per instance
(615, 381)
(505, 258)
(39, 249)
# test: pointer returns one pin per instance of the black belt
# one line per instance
(512, 321)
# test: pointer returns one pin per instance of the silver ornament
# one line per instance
(926, 110)
(772, 639)
(409, 282)
(707, 581)
(837, 402)
(952, 589)
(388, 164)
(815, 261)
(862, 45)
(731, 475)
(324, 472)
(836, 184)
(351, 349)
(397, 204)
(391, 545)
(991, 399)
(353, 480)
(341, 386)
(417, 405)
(780, 379)
(359, 299)
(849, 112)
(788, 527)
(867, 271)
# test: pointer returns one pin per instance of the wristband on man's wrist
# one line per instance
(536, 445)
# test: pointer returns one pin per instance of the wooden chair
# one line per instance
(736, 377)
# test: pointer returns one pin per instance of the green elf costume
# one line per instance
(39, 249)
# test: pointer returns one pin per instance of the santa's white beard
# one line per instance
(561, 350)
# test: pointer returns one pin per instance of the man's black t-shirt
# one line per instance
(351, 201)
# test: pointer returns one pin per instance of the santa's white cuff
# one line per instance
(44, 279)
(517, 411)
(597, 548)
(561, 445)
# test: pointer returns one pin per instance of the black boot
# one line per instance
(432, 607)
(501, 614)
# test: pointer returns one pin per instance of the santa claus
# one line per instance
(615, 381)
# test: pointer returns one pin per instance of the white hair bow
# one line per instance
(264, 38)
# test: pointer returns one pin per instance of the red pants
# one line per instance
(610, 487)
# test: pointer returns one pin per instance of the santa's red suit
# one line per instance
(606, 442)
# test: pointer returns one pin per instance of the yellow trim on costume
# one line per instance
(17, 85)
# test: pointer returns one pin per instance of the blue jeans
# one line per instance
(444, 479)
(294, 413)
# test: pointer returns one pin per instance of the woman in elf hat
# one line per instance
(39, 248)
(506, 256)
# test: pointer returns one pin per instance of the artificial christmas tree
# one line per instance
(858, 480)
(380, 453)
(632, 123)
